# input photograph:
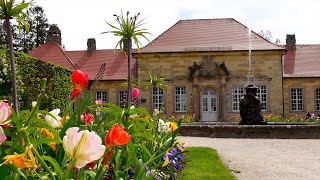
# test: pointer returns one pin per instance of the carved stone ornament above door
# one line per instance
(207, 68)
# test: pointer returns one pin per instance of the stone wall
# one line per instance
(271, 131)
(175, 67)
(111, 87)
(309, 86)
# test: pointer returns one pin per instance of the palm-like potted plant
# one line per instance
(128, 29)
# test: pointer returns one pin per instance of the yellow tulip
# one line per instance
(173, 126)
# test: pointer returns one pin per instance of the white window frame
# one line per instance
(317, 99)
(158, 98)
(262, 95)
(237, 92)
(181, 99)
(296, 99)
(122, 98)
(102, 95)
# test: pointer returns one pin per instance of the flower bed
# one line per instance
(96, 141)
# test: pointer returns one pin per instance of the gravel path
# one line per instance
(265, 159)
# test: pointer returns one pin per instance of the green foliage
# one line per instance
(155, 80)
(6, 77)
(59, 83)
(29, 75)
(11, 10)
(204, 163)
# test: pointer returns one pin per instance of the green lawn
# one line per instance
(204, 163)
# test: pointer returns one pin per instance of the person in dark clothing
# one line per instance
(250, 108)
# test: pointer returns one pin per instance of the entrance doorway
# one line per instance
(208, 105)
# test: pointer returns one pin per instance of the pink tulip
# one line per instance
(98, 102)
(82, 146)
(2, 136)
(135, 93)
(5, 111)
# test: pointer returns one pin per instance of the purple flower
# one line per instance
(177, 166)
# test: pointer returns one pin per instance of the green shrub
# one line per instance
(29, 75)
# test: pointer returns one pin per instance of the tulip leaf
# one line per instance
(55, 164)
(139, 171)
(117, 159)
(14, 169)
(140, 111)
(45, 140)
(144, 148)
(92, 174)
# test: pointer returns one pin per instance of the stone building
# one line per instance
(301, 78)
(205, 64)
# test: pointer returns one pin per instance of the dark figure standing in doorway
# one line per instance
(250, 107)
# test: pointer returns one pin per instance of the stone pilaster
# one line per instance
(196, 103)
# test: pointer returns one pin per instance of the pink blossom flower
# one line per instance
(82, 146)
(2, 136)
(135, 93)
(5, 111)
(98, 102)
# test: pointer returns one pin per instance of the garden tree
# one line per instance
(155, 80)
(38, 26)
(128, 28)
(267, 35)
(3, 33)
(10, 10)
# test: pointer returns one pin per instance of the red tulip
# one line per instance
(90, 165)
(116, 136)
(86, 118)
(79, 81)
(135, 93)
(74, 93)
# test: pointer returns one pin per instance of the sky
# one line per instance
(79, 20)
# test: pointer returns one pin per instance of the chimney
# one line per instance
(91, 45)
(291, 42)
(53, 34)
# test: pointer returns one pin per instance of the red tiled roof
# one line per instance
(302, 62)
(116, 67)
(116, 64)
(52, 53)
(224, 34)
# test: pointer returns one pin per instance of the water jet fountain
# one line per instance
(250, 105)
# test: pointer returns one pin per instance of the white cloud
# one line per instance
(80, 20)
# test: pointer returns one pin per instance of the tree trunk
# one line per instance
(128, 42)
(13, 66)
